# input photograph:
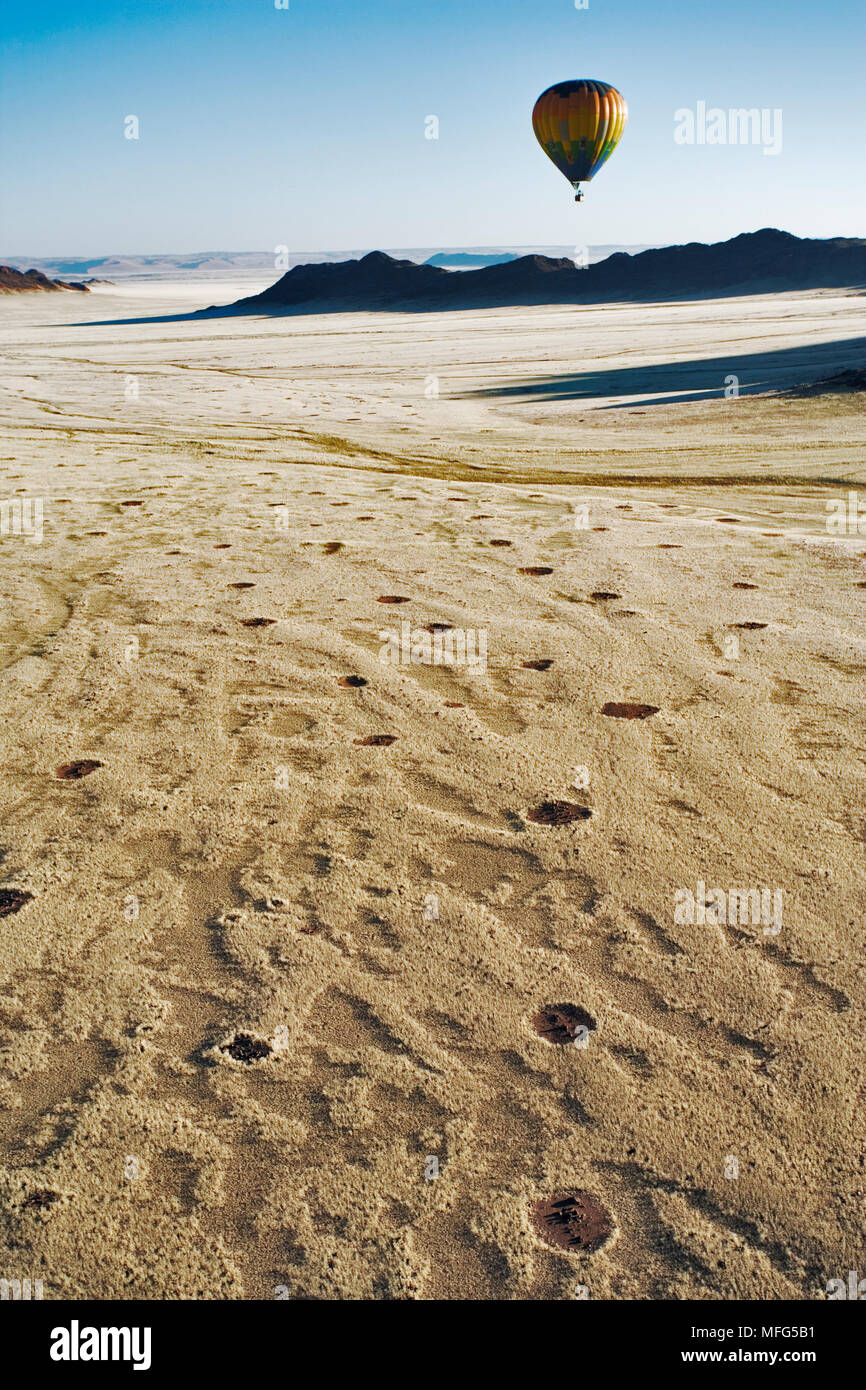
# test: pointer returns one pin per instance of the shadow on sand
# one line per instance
(700, 378)
(226, 311)
(661, 383)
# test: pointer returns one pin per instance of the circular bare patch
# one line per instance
(574, 1221)
(559, 1023)
(41, 1197)
(245, 1048)
(73, 772)
(376, 741)
(627, 710)
(12, 900)
(557, 813)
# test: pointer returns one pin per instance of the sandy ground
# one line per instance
(382, 922)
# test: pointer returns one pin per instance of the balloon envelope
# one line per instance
(578, 125)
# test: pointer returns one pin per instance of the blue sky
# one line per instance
(305, 127)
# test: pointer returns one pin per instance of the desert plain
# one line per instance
(275, 944)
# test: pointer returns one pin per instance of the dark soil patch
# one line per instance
(557, 813)
(73, 772)
(627, 710)
(559, 1023)
(575, 1221)
(12, 900)
(245, 1048)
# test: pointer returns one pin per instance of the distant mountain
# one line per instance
(753, 263)
(260, 266)
(378, 281)
(469, 260)
(208, 265)
(14, 281)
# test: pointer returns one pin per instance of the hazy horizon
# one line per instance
(263, 259)
(256, 261)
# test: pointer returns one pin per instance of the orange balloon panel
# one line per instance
(578, 125)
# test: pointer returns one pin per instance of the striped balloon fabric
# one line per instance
(578, 125)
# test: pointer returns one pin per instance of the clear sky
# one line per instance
(305, 126)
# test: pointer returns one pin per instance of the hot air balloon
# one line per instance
(578, 125)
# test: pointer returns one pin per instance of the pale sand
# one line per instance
(281, 872)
